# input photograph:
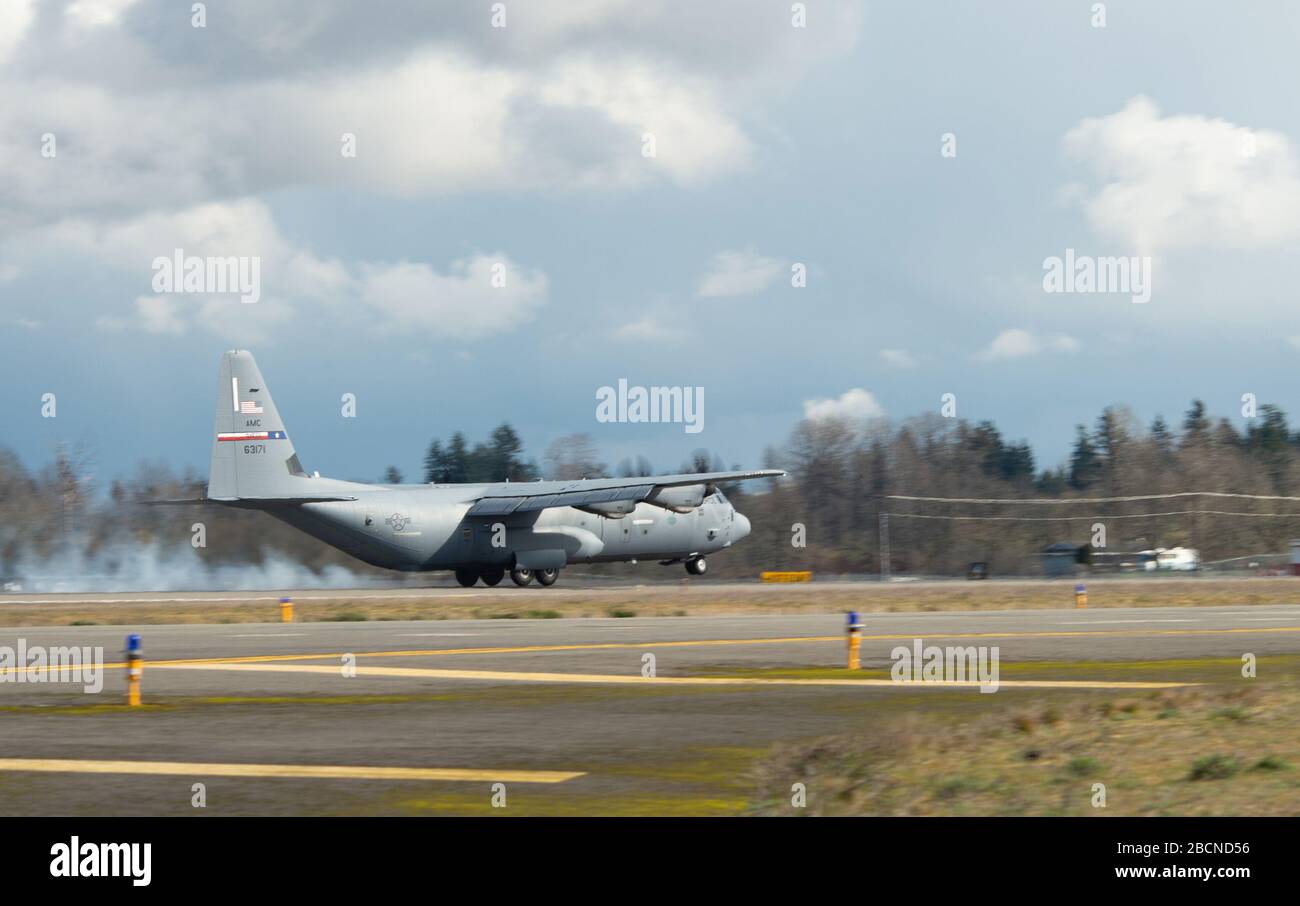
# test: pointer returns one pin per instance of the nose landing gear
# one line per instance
(697, 566)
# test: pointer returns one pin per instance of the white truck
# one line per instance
(1176, 559)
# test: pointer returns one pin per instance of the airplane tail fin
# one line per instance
(252, 456)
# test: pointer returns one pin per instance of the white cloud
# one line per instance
(852, 404)
(158, 315)
(260, 99)
(738, 273)
(1179, 182)
(1017, 343)
(431, 125)
(649, 329)
(92, 13)
(897, 358)
(15, 17)
(260, 322)
(460, 304)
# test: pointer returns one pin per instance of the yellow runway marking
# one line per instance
(699, 643)
(638, 680)
(313, 771)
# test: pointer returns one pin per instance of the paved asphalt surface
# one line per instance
(279, 697)
(1110, 634)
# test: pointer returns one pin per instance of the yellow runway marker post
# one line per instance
(854, 629)
(134, 669)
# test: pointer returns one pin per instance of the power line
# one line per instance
(1098, 518)
(1051, 501)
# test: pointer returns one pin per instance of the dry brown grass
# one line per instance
(1206, 751)
(694, 598)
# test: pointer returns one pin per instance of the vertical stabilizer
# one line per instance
(252, 455)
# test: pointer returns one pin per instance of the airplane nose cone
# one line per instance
(741, 528)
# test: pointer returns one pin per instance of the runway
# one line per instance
(795, 639)
(562, 697)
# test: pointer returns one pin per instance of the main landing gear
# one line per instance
(697, 566)
(519, 575)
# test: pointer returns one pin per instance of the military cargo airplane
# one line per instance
(480, 531)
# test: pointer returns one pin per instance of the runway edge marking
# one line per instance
(302, 771)
(638, 680)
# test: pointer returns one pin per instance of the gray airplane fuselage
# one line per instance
(532, 530)
(426, 527)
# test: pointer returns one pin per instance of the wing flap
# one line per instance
(504, 506)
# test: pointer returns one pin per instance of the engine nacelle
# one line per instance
(612, 510)
(681, 499)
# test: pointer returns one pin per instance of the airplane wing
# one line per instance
(525, 497)
(235, 501)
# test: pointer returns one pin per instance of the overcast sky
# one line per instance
(1170, 134)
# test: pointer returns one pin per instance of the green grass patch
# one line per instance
(1233, 712)
(1214, 767)
(1082, 766)
(1271, 763)
(347, 616)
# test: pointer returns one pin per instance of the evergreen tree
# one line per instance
(1161, 436)
(435, 464)
(1195, 424)
(1085, 465)
(457, 459)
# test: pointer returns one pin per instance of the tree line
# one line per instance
(842, 475)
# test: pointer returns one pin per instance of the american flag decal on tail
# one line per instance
(243, 407)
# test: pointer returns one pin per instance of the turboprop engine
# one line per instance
(679, 499)
(612, 510)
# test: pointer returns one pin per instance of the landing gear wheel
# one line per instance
(466, 577)
(697, 567)
(521, 576)
(493, 577)
(547, 577)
